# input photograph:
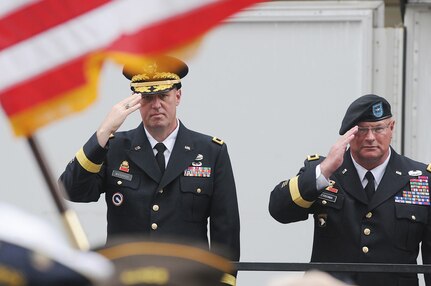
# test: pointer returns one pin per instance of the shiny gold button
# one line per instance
(413, 217)
(365, 249)
(119, 182)
(154, 226)
(161, 191)
(155, 208)
(367, 231)
(324, 202)
(199, 190)
(369, 215)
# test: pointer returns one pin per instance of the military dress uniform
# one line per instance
(350, 229)
(198, 184)
(145, 199)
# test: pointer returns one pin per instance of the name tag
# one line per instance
(328, 197)
(122, 175)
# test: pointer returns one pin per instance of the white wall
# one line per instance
(418, 80)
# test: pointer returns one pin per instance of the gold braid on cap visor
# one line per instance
(156, 84)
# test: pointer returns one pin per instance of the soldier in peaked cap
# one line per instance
(160, 179)
(151, 263)
(34, 254)
(369, 204)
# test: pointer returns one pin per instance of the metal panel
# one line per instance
(418, 82)
(388, 73)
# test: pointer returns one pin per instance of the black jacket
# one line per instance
(349, 229)
(198, 184)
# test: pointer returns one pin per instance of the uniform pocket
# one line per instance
(196, 195)
(121, 191)
(327, 217)
(409, 225)
(118, 180)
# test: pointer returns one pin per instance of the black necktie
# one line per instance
(160, 156)
(369, 188)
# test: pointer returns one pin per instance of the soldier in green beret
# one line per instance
(369, 203)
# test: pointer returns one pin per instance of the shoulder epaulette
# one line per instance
(218, 141)
(313, 157)
(429, 168)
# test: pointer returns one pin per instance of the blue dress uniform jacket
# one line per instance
(349, 229)
(198, 184)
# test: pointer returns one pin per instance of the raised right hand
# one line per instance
(336, 154)
(117, 116)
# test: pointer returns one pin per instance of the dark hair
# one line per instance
(177, 85)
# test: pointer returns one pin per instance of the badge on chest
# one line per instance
(197, 169)
(417, 194)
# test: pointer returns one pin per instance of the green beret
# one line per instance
(367, 108)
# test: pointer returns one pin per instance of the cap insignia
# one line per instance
(150, 68)
(378, 110)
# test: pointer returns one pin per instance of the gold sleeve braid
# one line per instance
(86, 163)
(296, 196)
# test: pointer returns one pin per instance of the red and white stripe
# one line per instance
(45, 44)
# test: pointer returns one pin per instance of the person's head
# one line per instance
(142, 262)
(34, 253)
(372, 114)
(158, 80)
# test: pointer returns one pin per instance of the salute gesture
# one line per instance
(117, 116)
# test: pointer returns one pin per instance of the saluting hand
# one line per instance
(117, 116)
(336, 154)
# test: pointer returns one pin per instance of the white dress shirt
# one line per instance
(169, 142)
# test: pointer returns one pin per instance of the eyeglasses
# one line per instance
(375, 130)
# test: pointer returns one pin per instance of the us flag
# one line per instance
(51, 51)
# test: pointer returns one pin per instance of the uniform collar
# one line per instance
(169, 141)
(378, 171)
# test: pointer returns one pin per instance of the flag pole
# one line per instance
(70, 219)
